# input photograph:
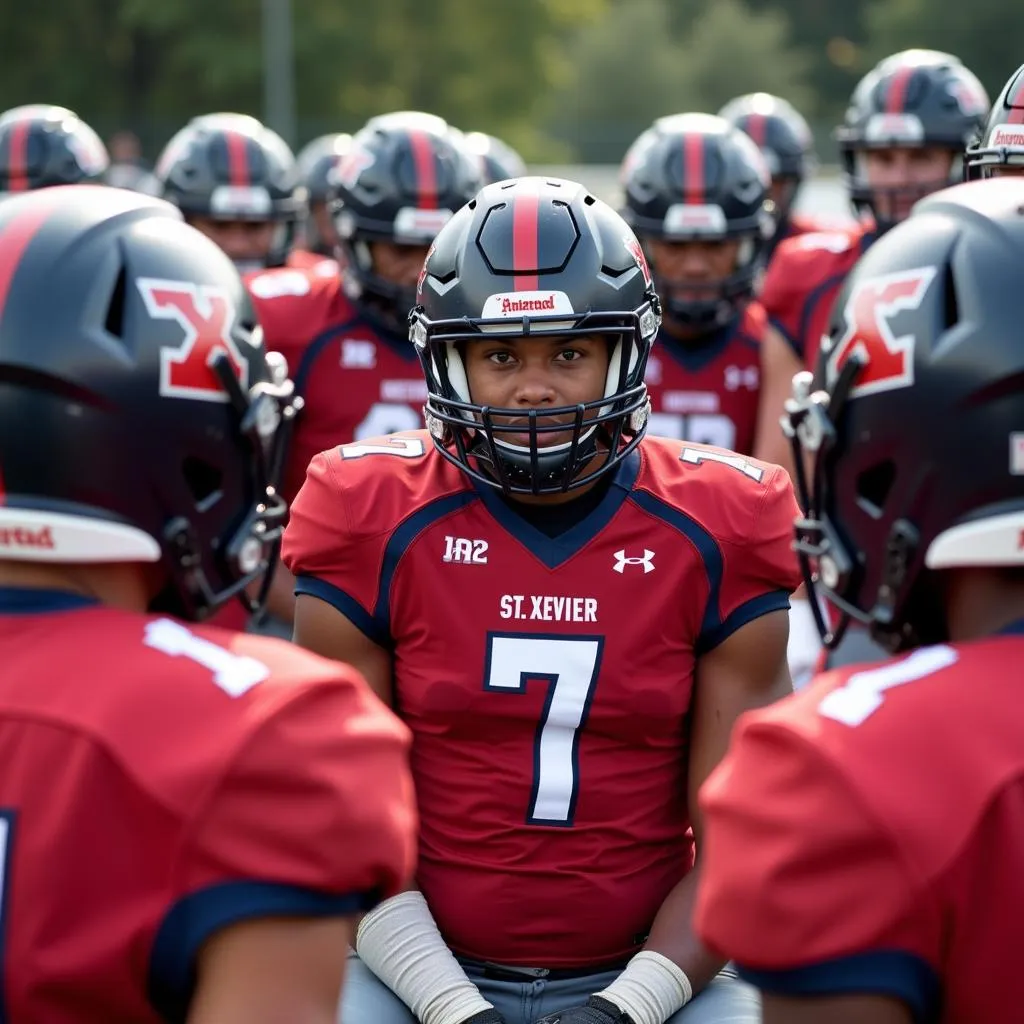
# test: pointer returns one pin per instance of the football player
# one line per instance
(568, 614)
(784, 138)
(43, 145)
(318, 162)
(346, 338)
(865, 838)
(696, 195)
(237, 182)
(999, 151)
(904, 134)
(180, 806)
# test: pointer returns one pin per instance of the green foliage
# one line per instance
(560, 79)
(985, 34)
(638, 63)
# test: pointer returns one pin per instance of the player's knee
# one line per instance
(366, 998)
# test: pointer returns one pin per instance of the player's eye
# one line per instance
(501, 356)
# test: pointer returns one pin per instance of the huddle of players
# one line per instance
(833, 874)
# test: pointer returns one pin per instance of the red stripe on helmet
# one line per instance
(426, 169)
(896, 94)
(525, 239)
(15, 237)
(693, 168)
(1016, 104)
(757, 128)
(238, 158)
(17, 159)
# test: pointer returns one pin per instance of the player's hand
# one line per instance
(490, 1016)
(595, 1011)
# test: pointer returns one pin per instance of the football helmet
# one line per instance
(231, 167)
(911, 425)
(42, 145)
(140, 419)
(535, 256)
(404, 176)
(498, 160)
(1000, 146)
(696, 178)
(785, 141)
(912, 99)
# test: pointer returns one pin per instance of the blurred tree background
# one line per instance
(560, 79)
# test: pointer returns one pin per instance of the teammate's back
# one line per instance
(160, 781)
(914, 768)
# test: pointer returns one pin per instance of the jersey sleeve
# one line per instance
(799, 269)
(313, 816)
(759, 569)
(328, 561)
(295, 306)
(800, 886)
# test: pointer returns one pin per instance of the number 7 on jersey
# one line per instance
(570, 666)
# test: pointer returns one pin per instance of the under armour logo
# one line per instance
(621, 561)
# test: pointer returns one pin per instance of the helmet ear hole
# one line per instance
(951, 305)
(873, 487)
(114, 323)
(203, 481)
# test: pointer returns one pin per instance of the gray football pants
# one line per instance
(367, 1000)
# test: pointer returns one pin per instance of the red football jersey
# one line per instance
(709, 393)
(303, 259)
(548, 701)
(867, 835)
(804, 224)
(804, 277)
(160, 782)
(356, 380)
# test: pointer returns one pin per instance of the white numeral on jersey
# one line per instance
(234, 674)
(570, 666)
(698, 428)
(388, 418)
(736, 461)
(404, 447)
(861, 695)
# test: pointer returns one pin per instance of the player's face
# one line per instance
(399, 264)
(904, 175)
(536, 373)
(244, 241)
(695, 263)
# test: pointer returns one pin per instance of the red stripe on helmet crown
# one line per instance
(896, 94)
(526, 240)
(693, 168)
(15, 237)
(757, 128)
(238, 158)
(1016, 104)
(426, 169)
(17, 161)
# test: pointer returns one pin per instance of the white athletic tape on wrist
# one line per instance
(399, 941)
(650, 989)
